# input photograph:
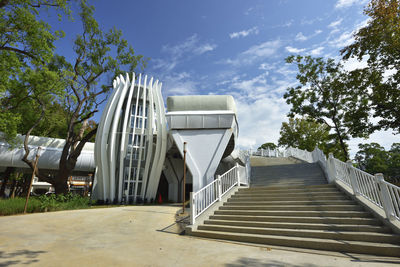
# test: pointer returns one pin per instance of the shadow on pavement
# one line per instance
(249, 262)
(24, 257)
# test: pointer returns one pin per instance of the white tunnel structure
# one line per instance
(51, 150)
(131, 141)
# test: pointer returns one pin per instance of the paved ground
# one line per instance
(141, 236)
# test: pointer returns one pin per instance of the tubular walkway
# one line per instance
(289, 203)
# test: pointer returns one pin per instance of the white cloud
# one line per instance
(300, 37)
(255, 53)
(244, 33)
(294, 50)
(191, 44)
(177, 53)
(317, 51)
(317, 32)
(284, 25)
(260, 121)
(247, 12)
(354, 63)
(305, 21)
(345, 39)
(204, 48)
(263, 50)
(348, 3)
(179, 84)
(335, 23)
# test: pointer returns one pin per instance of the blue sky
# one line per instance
(234, 47)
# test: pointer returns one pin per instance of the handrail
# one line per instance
(201, 200)
(373, 188)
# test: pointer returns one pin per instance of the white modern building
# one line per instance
(139, 148)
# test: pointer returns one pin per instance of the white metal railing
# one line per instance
(203, 199)
(371, 187)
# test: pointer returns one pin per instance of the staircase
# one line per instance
(291, 204)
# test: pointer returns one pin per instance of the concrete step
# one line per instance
(284, 185)
(301, 219)
(293, 187)
(323, 234)
(289, 194)
(239, 202)
(383, 249)
(347, 214)
(297, 178)
(253, 190)
(280, 184)
(310, 226)
(311, 187)
(294, 208)
(287, 198)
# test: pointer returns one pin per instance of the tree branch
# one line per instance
(86, 117)
(18, 51)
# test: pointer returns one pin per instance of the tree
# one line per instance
(373, 158)
(100, 56)
(270, 146)
(26, 46)
(306, 134)
(394, 163)
(325, 95)
(43, 89)
(303, 133)
(379, 43)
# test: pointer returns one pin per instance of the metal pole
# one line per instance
(33, 175)
(184, 176)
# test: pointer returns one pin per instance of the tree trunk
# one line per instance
(68, 160)
(61, 186)
(342, 144)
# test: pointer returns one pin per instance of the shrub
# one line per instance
(44, 203)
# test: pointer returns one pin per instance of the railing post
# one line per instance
(385, 197)
(237, 174)
(353, 178)
(219, 187)
(192, 209)
(330, 165)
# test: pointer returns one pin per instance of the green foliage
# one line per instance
(373, 158)
(307, 134)
(303, 133)
(325, 94)
(44, 203)
(27, 85)
(9, 123)
(271, 146)
(379, 43)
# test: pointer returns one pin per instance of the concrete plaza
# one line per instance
(142, 236)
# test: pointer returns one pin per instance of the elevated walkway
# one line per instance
(290, 204)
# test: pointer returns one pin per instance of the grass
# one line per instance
(44, 203)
